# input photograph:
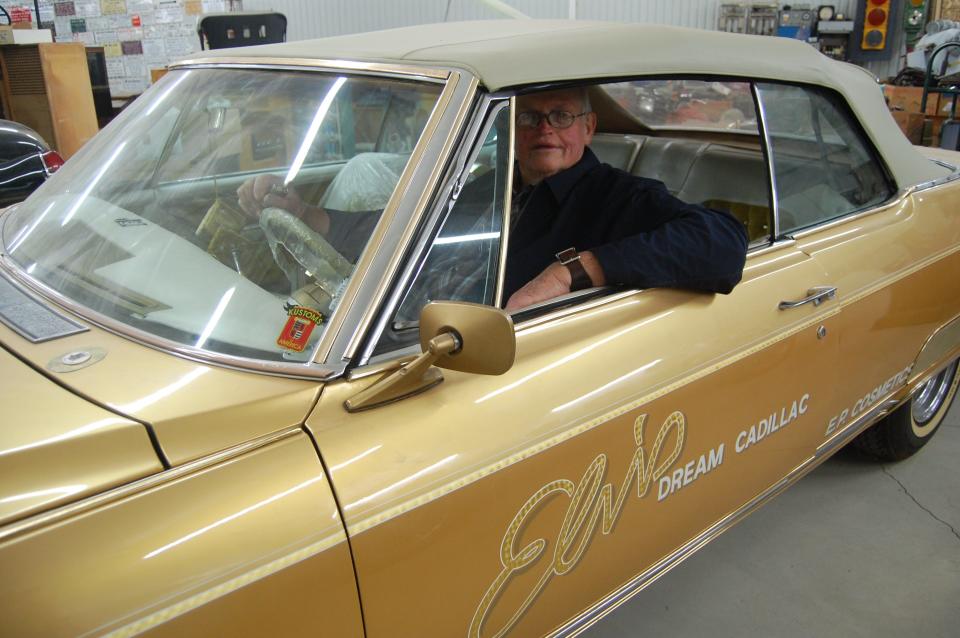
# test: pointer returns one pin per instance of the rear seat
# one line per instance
(715, 175)
(668, 160)
(731, 179)
(619, 151)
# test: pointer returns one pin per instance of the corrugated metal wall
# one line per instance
(319, 18)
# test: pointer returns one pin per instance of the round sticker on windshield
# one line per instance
(299, 325)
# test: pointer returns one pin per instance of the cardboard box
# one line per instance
(931, 130)
(911, 124)
(156, 74)
(908, 98)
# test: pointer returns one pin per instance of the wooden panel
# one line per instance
(70, 95)
(25, 73)
(34, 111)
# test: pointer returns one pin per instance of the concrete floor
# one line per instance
(856, 548)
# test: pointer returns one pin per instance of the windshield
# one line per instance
(225, 209)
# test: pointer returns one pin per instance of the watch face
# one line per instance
(826, 12)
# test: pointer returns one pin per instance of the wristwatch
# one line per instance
(579, 279)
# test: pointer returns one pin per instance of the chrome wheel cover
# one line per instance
(931, 395)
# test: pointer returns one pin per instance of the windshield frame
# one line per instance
(429, 151)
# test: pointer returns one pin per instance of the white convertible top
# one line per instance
(510, 53)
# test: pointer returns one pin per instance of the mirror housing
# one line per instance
(487, 340)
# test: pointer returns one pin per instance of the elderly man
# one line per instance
(578, 223)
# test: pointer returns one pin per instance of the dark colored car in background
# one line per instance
(26, 161)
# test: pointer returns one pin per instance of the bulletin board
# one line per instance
(136, 35)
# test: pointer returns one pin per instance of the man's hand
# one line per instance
(266, 191)
(554, 281)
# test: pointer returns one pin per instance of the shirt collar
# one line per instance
(561, 183)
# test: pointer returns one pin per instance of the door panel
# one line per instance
(895, 271)
(622, 432)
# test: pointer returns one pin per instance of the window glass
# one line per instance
(823, 167)
(688, 103)
(705, 145)
(463, 260)
(149, 228)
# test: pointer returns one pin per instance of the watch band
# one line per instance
(579, 279)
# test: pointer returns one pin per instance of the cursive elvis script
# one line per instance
(591, 502)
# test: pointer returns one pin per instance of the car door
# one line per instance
(633, 427)
(890, 255)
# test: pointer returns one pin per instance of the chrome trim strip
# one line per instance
(947, 166)
(44, 294)
(353, 66)
(844, 436)
(940, 180)
(780, 244)
(508, 208)
(591, 616)
(18, 528)
(768, 153)
(898, 200)
(567, 311)
(391, 361)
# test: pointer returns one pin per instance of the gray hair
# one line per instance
(584, 93)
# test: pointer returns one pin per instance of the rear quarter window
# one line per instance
(823, 165)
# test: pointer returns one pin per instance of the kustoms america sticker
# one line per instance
(300, 323)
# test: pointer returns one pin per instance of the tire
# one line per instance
(908, 428)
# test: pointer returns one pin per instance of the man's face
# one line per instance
(544, 150)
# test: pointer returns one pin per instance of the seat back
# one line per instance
(619, 151)
(668, 160)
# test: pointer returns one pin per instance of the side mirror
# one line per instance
(455, 335)
(487, 341)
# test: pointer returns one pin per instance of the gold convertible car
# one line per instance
(224, 424)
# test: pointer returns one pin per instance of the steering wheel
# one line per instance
(306, 257)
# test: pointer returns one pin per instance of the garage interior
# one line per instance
(856, 548)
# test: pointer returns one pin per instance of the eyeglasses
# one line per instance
(556, 119)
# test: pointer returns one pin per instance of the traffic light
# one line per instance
(876, 24)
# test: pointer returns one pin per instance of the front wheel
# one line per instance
(909, 427)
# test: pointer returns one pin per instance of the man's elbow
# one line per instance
(730, 256)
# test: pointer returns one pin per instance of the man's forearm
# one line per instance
(555, 280)
(315, 218)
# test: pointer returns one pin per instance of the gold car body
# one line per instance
(163, 491)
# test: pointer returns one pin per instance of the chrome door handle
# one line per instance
(816, 296)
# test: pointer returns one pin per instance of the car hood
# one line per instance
(56, 447)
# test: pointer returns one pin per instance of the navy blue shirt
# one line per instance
(643, 236)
